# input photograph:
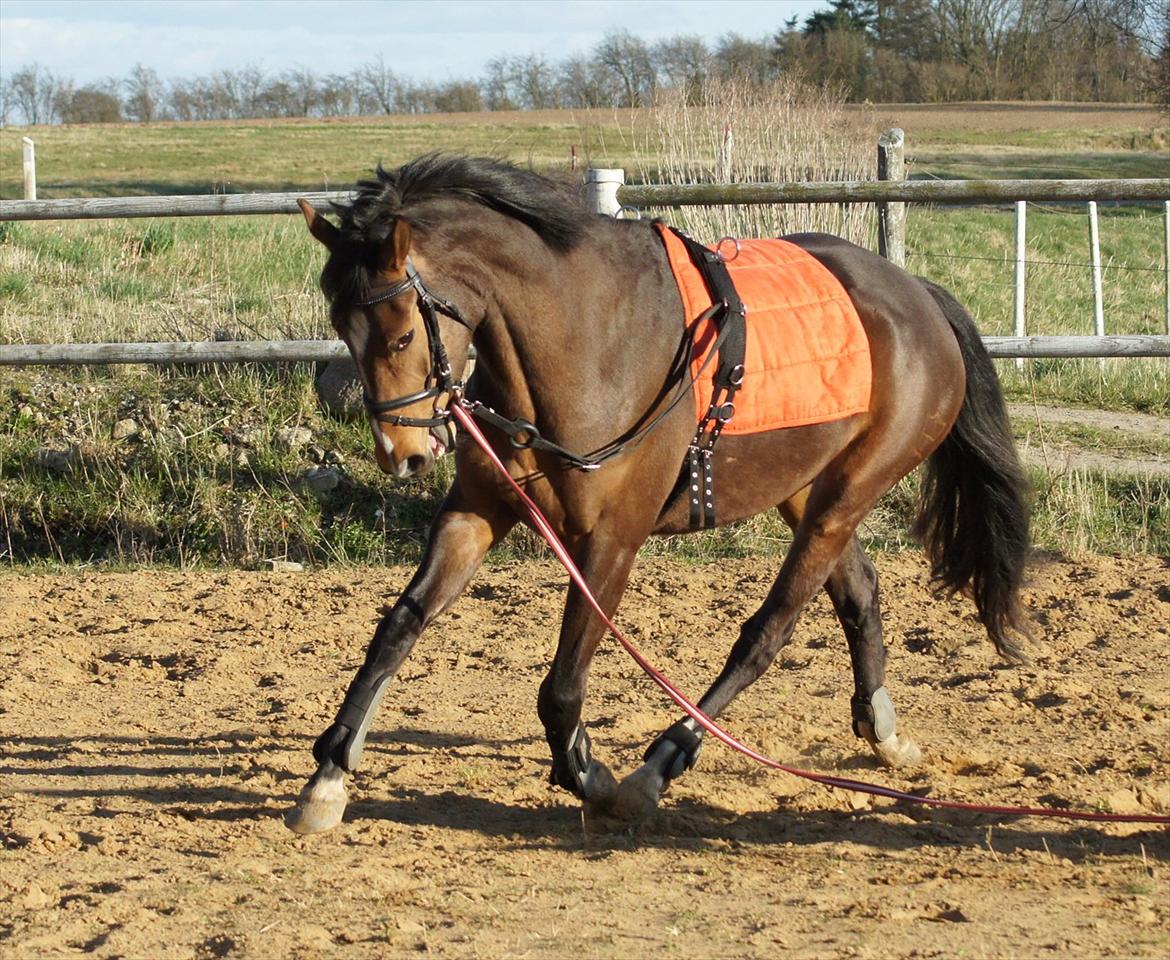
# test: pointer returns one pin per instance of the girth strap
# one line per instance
(731, 343)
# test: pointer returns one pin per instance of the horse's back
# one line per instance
(917, 385)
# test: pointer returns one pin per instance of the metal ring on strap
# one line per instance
(719, 249)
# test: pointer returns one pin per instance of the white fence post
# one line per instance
(892, 216)
(1095, 256)
(601, 188)
(1021, 244)
(30, 169)
(1166, 245)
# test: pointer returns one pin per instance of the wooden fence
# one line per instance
(609, 195)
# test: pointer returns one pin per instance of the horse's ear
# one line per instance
(396, 247)
(319, 227)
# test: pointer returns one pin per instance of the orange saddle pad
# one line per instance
(807, 357)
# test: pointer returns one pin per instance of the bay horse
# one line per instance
(577, 323)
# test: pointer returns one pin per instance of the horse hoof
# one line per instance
(628, 802)
(637, 795)
(897, 751)
(320, 806)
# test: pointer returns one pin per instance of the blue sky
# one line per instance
(421, 39)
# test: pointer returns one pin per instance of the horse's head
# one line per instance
(390, 324)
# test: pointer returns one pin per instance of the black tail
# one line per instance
(974, 501)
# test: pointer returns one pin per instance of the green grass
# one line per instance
(971, 251)
(242, 156)
(245, 156)
(206, 481)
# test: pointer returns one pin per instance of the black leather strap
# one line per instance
(733, 317)
(730, 346)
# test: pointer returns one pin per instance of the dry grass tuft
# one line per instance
(737, 133)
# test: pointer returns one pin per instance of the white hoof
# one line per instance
(320, 806)
(896, 751)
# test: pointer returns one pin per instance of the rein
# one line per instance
(460, 412)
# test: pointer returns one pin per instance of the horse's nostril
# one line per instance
(415, 464)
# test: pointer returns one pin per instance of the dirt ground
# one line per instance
(155, 725)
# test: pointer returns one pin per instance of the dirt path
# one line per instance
(154, 725)
(1037, 448)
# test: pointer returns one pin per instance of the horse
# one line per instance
(577, 325)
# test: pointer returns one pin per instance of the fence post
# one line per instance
(1095, 257)
(1166, 247)
(892, 216)
(601, 187)
(1021, 243)
(30, 169)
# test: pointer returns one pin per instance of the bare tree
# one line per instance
(499, 84)
(145, 94)
(749, 61)
(537, 82)
(628, 60)
(584, 84)
(5, 101)
(338, 97)
(682, 62)
(90, 104)
(302, 92)
(1159, 82)
(379, 85)
(457, 96)
(35, 90)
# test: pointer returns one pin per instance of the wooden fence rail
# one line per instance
(648, 195)
(302, 351)
(891, 191)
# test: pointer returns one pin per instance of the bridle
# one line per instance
(441, 379)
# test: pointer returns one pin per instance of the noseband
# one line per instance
(441, 379)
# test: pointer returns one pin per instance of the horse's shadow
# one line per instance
(684, 824)
(695, 825)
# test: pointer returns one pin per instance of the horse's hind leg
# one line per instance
(853, 589)
(824, 528)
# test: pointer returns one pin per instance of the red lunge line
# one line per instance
(843, 783)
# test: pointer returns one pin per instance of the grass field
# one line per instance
(207, 480)
(979, 140)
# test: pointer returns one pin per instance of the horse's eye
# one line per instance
(403, 342)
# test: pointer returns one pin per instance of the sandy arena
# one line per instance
(154, 726)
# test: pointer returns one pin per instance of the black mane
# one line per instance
(552, 208)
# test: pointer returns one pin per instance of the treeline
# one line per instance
(876, 50)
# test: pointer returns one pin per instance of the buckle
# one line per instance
(726, 412)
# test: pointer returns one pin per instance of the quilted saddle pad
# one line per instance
(807, 356)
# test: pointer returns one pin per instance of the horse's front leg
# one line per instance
(605, 563)
(458, 540)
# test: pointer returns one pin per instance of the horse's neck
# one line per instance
(595, 328)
